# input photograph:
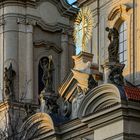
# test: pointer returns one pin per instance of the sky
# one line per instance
(71, 1)
(78, 49)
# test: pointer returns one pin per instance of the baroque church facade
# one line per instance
(48, 92)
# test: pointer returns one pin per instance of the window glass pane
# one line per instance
(121, 57)
(121, 37)
(121, 28)
(125, 45)
(125, 35)
(121, 47)
(124, 23)
(125, 55)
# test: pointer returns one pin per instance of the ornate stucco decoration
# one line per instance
(83, 77)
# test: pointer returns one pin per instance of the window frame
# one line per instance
(122, 29)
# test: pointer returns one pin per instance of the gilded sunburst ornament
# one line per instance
(83, 27)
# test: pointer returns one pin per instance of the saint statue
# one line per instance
(115, 75)
(113, 48)
(47, 78)
(76, 101)
(9, 75)
(48, 98)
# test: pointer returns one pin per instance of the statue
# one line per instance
(47, 78)
(9, 75)
(76, 101)
(48, 98)
(29, 111)
(43, 107)
(91, 82)
(48, 102)
(113, 48)
(115, 75)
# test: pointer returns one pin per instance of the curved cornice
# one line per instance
(118, 10)
(48, 45)
(99, 98)
(63, 7)
(37, 124)
(52, 28)
(29, 19)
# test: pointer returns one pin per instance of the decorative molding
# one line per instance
(30, 3)
(52, 28)
(99, 98)
(26, 21)
(37, 124)
(48, 45)
(118, 10)
(63, 7)
(31, 20)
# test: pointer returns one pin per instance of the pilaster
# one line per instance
(64, 54)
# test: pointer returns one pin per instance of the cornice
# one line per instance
(52, 28)
(31, 3)
(35, 21)
(63, 7)
(82, 2)
(9, 104)
(119, 9)
(48, 45)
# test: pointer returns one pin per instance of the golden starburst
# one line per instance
(83, 27)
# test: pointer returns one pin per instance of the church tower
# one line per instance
(35, 51)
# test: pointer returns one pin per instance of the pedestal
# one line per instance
(113, 73)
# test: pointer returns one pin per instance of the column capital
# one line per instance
(26, 21)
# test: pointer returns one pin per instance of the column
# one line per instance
(64, 55)
(29, 63)
(10, 51)
(1, 60)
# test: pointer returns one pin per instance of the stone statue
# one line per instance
(48, 98)
(76, 102)
(29, 111)
(47, 78)
(9, 76)
(48, 102)
(43, 107)
(113, 48)
(91, 82)
(115, 75)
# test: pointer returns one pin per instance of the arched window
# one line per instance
(123, 43)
